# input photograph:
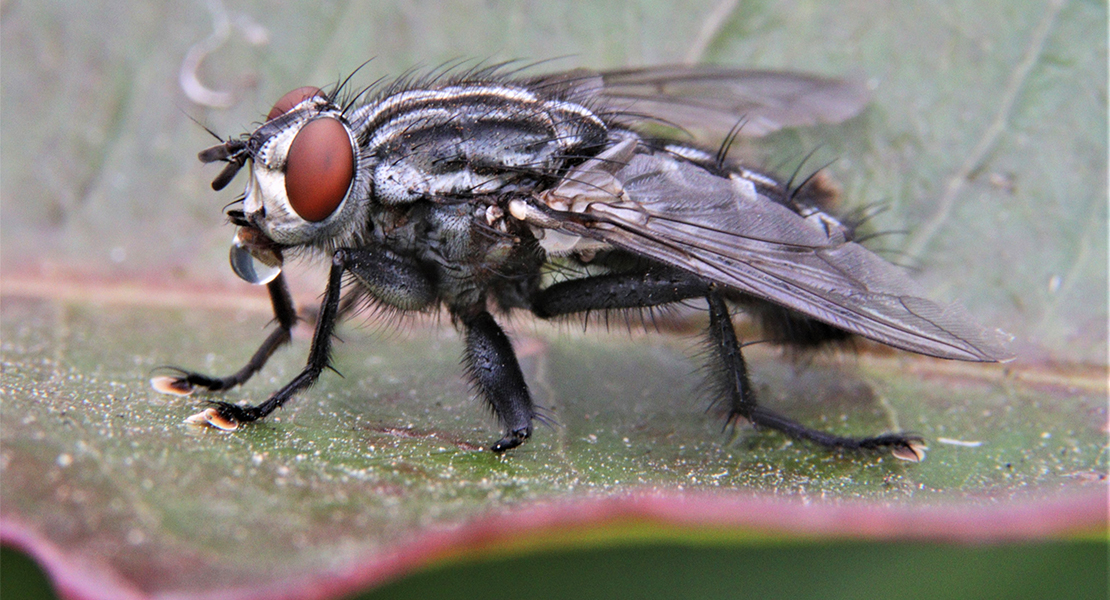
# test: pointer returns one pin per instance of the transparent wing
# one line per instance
(715, 99)
(723, 230)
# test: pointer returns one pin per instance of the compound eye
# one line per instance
(319, 169)
(291, 99)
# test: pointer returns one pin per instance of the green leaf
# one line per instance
(986, 139)
(354, 470)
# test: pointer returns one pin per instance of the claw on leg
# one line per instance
(512, 440)
(212, 418)
(911, 450)
(175, 386)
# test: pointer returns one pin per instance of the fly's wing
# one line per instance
(722, 229)
(715, 99)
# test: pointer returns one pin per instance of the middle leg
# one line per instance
(492, 365)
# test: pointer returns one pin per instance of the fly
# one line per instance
(462, 192)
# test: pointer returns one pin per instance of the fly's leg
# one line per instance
(400, 283)
(492, 366)
(185, 382)
(653, 287)
(736, 387)
(660, 286)
(319, 356)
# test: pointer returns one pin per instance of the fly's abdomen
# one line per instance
(466, 140)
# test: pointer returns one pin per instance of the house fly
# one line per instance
(467, 191)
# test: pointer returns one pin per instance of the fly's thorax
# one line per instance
(469, 140)
(305, 187)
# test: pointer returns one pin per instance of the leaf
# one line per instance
(986, 140)
(357, 469)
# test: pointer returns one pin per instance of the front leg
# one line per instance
(492, 365)
(390, 279)
(185, 382)
(319, 356)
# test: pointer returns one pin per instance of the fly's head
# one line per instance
(304, 185)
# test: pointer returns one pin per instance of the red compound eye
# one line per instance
(319, 169)
(291, 99)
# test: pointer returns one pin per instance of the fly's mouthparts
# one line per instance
(254, 257)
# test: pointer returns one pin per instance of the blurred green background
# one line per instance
(986, 141)
(986, 138)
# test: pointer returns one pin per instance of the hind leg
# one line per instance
(734, 384)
